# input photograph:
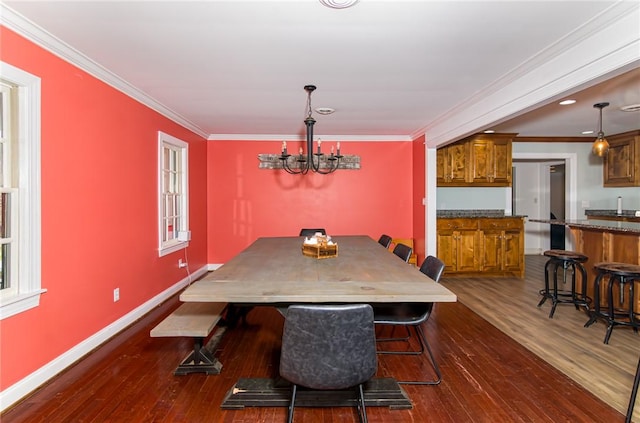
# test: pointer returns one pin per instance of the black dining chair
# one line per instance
(311, 231)
(403, 251)
(328, 347)
(412, 315)
(384, 240)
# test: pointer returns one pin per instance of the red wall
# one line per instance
(99, 210)
(245, 202)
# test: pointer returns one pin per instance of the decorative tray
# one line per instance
(320, 250)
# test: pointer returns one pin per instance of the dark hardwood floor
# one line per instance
(487, 377)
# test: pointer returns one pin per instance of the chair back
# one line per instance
(311, 231)
(433, 267)
(328, 346)
(403, 251)
(384, 240)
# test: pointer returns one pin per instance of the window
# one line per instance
(20, 234)
(173, 198)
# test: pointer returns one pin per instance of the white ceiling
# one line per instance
(394, 69)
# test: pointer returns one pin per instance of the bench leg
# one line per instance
(201, 359)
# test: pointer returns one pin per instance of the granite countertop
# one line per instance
(612, 213)
(605, 225)
(471, 213)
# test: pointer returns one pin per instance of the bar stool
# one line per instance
(618, 312)
(565, 260)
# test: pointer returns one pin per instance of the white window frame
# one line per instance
(28, 232)
(171, 241)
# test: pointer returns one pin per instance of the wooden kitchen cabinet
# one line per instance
(452, 162)
(622, 162)
(457, 245)
(502, 246)
(481, 246)
(479, 160)
(490, 159)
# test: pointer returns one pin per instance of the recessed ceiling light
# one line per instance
(325, 110)
(567, 102)
(587, 132)
(489, 131)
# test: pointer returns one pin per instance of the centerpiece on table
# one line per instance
(319, 246)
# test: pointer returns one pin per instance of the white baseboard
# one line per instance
(20, 389)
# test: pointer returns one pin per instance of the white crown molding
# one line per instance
(606, 46)
(294, 138)
(26, 28)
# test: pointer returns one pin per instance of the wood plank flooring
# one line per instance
(511, 305)
(487, 376)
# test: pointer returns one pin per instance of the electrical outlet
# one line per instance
(181, 263)
(116, 295)
(637, 213)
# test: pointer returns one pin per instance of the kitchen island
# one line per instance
(602, 240)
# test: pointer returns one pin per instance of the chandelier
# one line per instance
(600, 145)
(317, 162)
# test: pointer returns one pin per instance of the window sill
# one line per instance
(173, 248)
(14, 305)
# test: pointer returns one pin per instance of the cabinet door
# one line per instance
(513, 247)
(492, 252)
(467, 251)
(446, 247)
(502, 163)
(622, 163)
(481, 161)
(441, 157)
(455, 165)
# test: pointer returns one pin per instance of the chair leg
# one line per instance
(362, 409)
(294, 388)
(424, 344)
(634, 392)
(410, 352)
(393, 328)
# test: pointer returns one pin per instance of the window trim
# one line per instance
(29, 177)
(173, 245)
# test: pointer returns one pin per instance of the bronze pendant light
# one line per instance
(601, 145)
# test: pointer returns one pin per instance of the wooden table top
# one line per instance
(273, 270)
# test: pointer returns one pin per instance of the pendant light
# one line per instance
(600, 146)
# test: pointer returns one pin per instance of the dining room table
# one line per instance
(273, 271)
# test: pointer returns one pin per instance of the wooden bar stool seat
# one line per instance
(618, 311)
(567, 261)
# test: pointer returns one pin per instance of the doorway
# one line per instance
(556, 204)
(545, 184)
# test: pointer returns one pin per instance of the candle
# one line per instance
(319, 142)
(284, 147)
(338, 148)
(332, 150)
(301, 151)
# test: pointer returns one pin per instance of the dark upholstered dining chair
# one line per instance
(384, 240)
(311, 231)
(328, 347)
(403, 251)
(412, 315)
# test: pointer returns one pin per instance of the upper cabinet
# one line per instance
(479, 160)
(622, 162)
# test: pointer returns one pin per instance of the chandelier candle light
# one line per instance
(310, 161)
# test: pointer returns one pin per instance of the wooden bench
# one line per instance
(196, 320)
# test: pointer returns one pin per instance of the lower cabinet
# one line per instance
(481, 246)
